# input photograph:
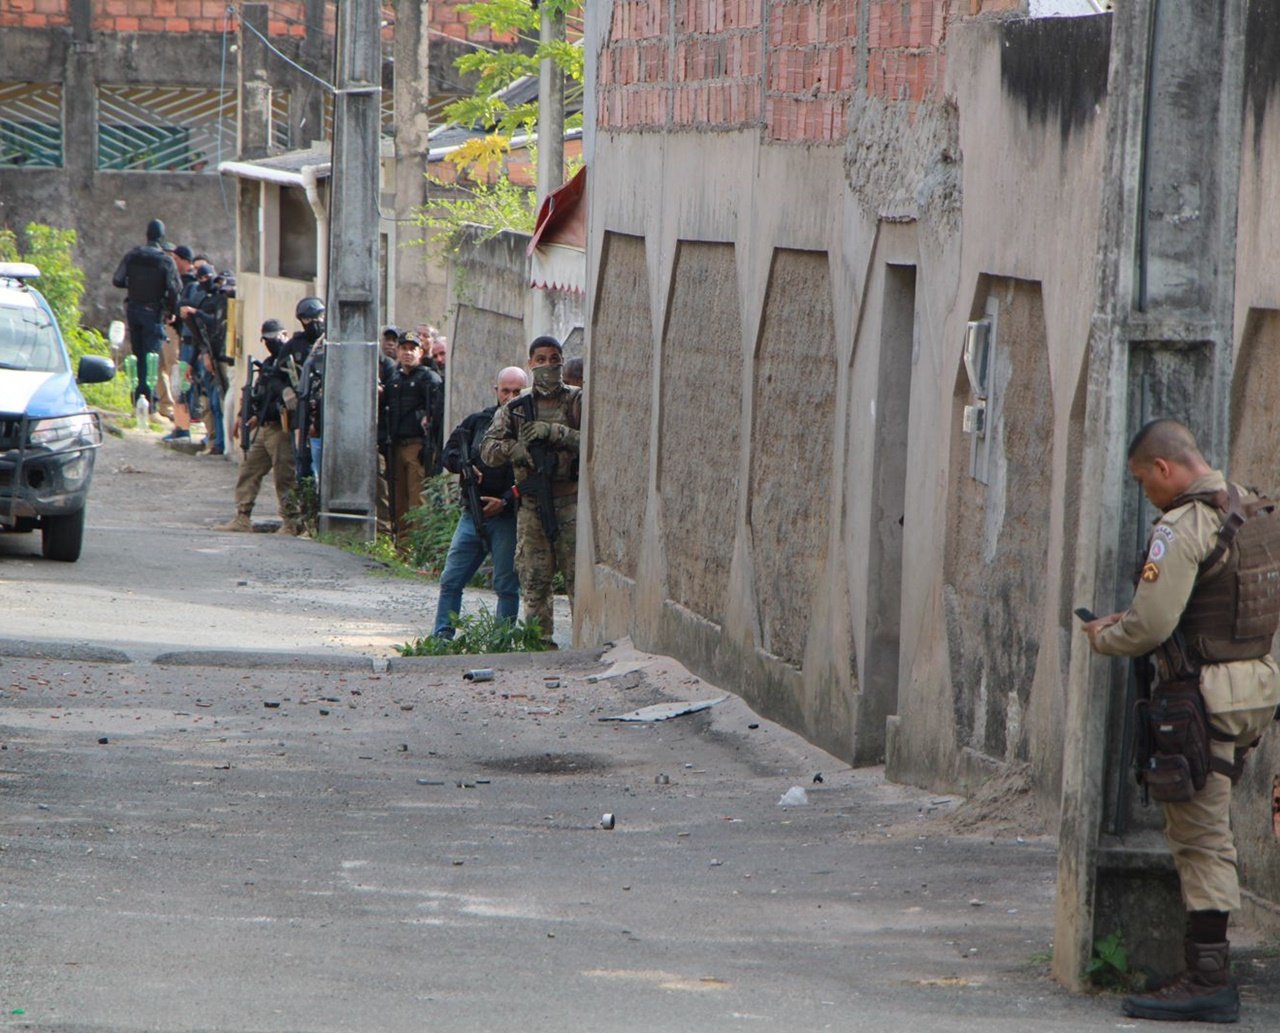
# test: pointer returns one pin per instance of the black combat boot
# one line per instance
(1203, 993)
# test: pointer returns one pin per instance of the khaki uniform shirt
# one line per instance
(1180, 539)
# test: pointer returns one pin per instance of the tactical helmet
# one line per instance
(309, 308)
(204, 271)
(155, 230)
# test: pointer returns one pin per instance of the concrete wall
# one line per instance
(489, 283)
(80, 43)
(781, 277)
(110, 210)
(1255, 400)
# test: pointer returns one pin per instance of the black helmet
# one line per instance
(155, 231)
(309, 308)
(204, 271)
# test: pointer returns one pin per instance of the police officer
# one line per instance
(496, 534)
(546, 418)
(1189, 618)
(308, 348)
(150, 278)
(203, 312)
(273, 403)
(409, 404)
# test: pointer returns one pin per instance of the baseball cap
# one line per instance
(271, 327)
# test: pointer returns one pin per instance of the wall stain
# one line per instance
(1261, 61)
(1056, 66)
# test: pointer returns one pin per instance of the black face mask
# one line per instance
(273, 345)
(314, 330)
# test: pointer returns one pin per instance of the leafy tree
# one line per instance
(482, 195)
(62, 284)
(498, 69)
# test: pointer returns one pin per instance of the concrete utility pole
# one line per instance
(550, 110)
(538, 314)
(412, 54)
(254, 109)
(348, 474)
(1161, 345)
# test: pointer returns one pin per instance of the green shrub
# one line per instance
(1109, 966)
(432, 524)
(62, 284)
(481, 632)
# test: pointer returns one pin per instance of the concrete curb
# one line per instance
(83, 652)
(86, 652)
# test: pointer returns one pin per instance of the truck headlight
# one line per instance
(64, 432)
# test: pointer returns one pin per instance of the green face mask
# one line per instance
(547, 380)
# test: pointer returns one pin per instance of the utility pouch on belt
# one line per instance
(1172, 751)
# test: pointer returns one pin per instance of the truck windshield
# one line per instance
(29, 340)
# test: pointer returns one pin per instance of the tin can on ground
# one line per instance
(479, 674)
(606, 821)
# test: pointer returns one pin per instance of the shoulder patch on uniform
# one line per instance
(1164, 531)
(1157, 550)
(1150, 572)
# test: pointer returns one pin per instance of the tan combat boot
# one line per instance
(289, 527)
(239, 522)
(1205, 992)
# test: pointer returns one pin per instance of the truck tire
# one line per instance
(62, 536)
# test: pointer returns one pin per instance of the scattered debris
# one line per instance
(662, 780)
(618, 670)
(479, 674)
(103, 741)
(606, 821)
(817, 779)
(429, 782)
(664, 711)
(753, 726)
(794, 797)
(271, 704)
(551, 683)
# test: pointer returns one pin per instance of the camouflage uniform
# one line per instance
(537, 558)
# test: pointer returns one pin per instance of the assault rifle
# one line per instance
(471, 489)
(246, 404)
(204, 345)
(538, 482)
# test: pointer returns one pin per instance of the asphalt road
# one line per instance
(208, 822)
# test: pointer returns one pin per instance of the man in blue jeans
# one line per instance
(497, 535)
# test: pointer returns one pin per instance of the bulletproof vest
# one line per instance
(1234, 608)
(147, 273)
(566, 408)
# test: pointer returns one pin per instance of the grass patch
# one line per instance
(481, 632)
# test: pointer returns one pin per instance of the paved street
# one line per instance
(301, 832)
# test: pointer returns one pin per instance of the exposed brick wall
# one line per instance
(905, 59)
(287, 17)
(786, 66)
(811, 68)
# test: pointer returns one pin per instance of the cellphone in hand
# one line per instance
(1085, 614)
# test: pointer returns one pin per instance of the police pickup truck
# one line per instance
(48, 436)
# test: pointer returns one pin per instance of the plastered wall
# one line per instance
(786, 279)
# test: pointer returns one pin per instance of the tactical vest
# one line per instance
(566, 408)
(1234, 608)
